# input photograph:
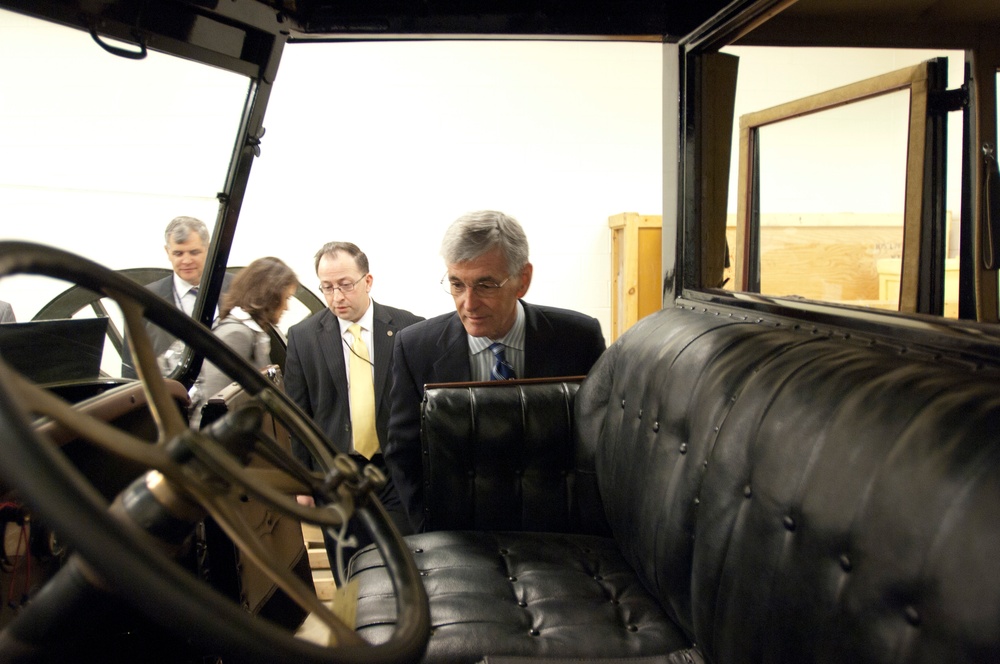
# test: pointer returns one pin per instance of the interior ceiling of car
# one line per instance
(890, 23)
(885, 23)
(616, 18)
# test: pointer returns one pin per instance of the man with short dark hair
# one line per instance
(354, 333)
(492, 335)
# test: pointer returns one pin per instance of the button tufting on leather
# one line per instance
(640, 413)
(533, 632)
(845, 563)
(623, 403)
(656, 427)
(504, 552)
(418, 551)
(522, 604)
(789, 523)
(747, 491)
(598, 577)
(632, 628)
(512, 578)
(683, 448)
(912, 616)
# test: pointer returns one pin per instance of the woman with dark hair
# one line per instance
(249, 310)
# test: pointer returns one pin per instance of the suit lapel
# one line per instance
(331, 346)
(383, 339)
(540, 343)
(453, 363)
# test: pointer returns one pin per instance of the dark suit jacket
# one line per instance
(7, 313)
(558, 342)
(316, 377)
(160, 338)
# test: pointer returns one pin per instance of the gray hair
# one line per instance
(473, 234)
(349, 248)
(180, 228)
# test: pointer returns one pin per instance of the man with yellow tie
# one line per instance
(338, 367)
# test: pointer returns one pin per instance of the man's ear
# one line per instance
(525, 276)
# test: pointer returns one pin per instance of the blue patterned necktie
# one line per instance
(502, 370)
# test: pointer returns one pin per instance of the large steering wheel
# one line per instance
(190, 474)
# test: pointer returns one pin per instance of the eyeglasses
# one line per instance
(456, 288)
(330, 289)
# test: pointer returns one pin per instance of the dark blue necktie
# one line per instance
(502, 370)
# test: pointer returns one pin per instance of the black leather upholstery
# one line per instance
(504, 456)
(783, 493)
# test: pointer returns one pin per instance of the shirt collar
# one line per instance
(513, 339)
(366, 321)
(180, 286)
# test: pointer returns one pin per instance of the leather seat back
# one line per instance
(795, 494)
(502, 456)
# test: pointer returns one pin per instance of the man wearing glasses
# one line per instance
(492, 335)
(354, 333)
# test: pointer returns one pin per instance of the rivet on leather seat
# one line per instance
(845, 563)
(789, 523)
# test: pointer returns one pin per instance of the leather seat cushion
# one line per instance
(527, 594)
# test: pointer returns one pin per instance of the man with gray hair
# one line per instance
(492, 335)
(186, 244)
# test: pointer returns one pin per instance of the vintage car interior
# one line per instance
(762, 468)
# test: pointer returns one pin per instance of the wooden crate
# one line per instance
(636, 268)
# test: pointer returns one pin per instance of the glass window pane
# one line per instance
(831, 201)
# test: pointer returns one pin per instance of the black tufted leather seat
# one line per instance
(774, 492)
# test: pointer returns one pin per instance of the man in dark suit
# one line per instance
(319, 358)
(7, 313)
(492, 335)
(186, 243)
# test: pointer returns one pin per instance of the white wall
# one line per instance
(403, 138)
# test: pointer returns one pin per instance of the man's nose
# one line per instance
(471, 299)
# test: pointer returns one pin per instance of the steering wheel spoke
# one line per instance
(168, 419)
